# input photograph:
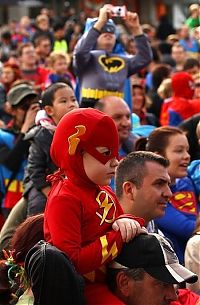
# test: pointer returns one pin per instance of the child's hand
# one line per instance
(128, 227)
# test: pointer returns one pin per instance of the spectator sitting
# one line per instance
(42, 46)
(59, 63)
(159, 73)
(190, 45)
(142, 186)
(193, 20)
(57, 100)
(140, 103)
(30, 71)
(42, 27)
(192, 66)
(6, 45)
(10, 74)
(182, 106)
(164, 28)
(60, 43)
(146, 271)
(119, 111)
(179, 55)
(165, 93)
(181, 212)
(23, 101)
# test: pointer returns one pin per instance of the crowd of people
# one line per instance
(99, 160)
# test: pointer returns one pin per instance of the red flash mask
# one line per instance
(83, 130)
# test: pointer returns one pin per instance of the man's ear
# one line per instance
(123, 284)
(49, 110)
(129, 190)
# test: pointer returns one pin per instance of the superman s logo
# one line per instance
(107, 208)
(111, 64)
(185, 202)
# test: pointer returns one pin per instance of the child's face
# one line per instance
(97, 172)
(64, 102)
(60, 66)
(7, 75)
(178, 156)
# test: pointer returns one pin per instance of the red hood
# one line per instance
(183, 85)
(83, 129)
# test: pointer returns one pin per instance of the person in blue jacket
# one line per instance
(182, 210)
(23, 102)
(194, 167)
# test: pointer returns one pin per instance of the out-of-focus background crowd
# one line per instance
(37, 43)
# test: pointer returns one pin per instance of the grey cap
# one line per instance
(17, 93)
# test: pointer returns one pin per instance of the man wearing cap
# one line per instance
(146, 271)
(22, 100)
(100, 70)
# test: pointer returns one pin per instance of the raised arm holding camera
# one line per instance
(100, 69)
(109, 11)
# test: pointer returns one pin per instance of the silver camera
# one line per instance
(119, 11)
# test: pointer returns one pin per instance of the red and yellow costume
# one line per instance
(79, 213)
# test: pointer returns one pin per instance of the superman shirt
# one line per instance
(179, 220)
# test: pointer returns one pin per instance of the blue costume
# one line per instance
(101, 73)
(9, 141)
(179, 220)
(194, 173)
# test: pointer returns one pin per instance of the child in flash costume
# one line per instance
(79, 213)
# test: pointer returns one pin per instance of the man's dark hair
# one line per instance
(41, 38)
(137, 274)
(58, 25)
(133, 168)
(6, 35)
(191, 63)
(23, 46)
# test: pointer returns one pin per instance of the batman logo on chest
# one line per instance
(111, 64)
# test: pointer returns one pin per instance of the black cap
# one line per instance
(109, 27)
(156, 256)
